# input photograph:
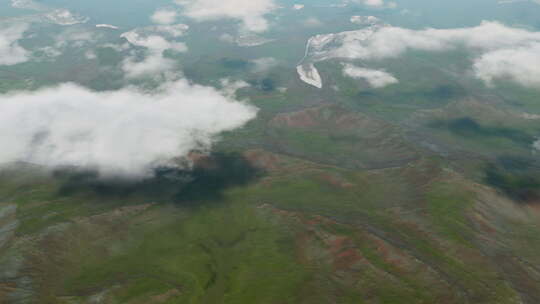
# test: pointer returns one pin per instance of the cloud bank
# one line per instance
(521, 64)
(250, 12)
(10, 51)
(499, 51)
(120, 133)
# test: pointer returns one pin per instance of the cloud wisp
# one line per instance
(127, 132)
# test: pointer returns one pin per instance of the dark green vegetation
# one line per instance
(303, 233)
(348, 196)
(518, 177)
(468, 127)
(206, 181)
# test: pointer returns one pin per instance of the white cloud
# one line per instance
(164, 16)
(123, 132)
(499, 50)
(521, 64)
(229, 87)
(298, 6)
(154, 62)
(264, 64)
(10, 51)
(250, 12)
(375, 78)
(153, 42)
(389, 41)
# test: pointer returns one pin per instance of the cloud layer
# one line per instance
(499, 51)
(124, 132)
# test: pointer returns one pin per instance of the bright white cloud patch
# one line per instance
(501, 51)
(389, 41)
(164, 16)
(375, 78)
(124, 132)
(152, 42)
(250, 12)
(521, 64)
(10, 51)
